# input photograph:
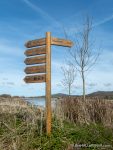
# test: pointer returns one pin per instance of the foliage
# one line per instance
(18, 133)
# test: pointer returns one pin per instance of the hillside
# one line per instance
(94, 94)
(106, 94)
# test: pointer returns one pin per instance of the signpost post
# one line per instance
(48, 82)
(45, 51)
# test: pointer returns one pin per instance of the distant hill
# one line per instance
(102, 94)
(98, 93)
(8, 96)
(59, 95)
(53, 95)
(5, 95)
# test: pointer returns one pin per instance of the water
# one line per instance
(36, 101)
(40, 101)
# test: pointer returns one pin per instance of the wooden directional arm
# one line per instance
(35, 60)
(34, 43)
(35, 79)
(61, 42)
(35, 51)
(35, 69)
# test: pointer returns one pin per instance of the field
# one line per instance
(22, 125)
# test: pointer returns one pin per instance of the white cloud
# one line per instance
(44, 14)
(105, 20)
(74, 29)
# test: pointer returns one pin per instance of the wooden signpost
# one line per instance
(36, 51)
(35, 60)
(35, 79)
(43, 52)
(35, 43)
(35, 69)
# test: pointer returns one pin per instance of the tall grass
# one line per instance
(22, 125)
(93, 110)
(19, 122)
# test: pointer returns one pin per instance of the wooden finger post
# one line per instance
(48, 82)
(42, 57)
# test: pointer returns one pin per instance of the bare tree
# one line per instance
(69, 74)
(82, 53)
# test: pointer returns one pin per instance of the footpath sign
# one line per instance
(39, 52)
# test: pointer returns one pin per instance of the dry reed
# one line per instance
(93, 110)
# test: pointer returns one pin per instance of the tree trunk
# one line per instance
(83, 85)
(69, 90)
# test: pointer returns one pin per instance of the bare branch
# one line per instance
(82, 53)
(69, 74)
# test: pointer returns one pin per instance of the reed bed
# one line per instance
(19, 122)
(92, 110)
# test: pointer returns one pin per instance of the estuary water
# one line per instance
(36, 101)
(41, 101)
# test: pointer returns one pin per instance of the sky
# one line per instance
(23, 20)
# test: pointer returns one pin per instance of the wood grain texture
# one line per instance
(35, 51)
(48, 83)
(34, 43)
(61, 42)
(35, 69)
(35, 79)
(35, 60)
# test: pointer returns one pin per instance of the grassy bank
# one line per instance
(18, 134)
(23, 128)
